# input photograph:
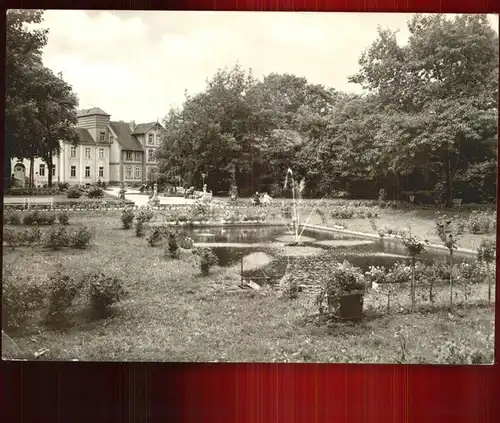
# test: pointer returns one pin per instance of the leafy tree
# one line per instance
(439, 92)
(57, 116)
(40, 108)
(23, 61)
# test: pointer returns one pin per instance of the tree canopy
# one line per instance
(426, 123)
(40, 107)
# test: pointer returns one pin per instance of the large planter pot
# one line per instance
(350, 305)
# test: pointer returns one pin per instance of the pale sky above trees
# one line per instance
(137, 65)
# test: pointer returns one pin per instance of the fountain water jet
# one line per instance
(296, 216)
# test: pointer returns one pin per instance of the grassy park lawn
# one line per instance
(172, 313)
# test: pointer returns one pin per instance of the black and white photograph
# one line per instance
(184, 186)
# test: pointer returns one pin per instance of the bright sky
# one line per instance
(137, 65)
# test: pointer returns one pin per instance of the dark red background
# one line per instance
(238, 393)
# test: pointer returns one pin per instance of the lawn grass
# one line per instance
(172, 313)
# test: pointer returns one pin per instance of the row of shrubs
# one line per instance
(438, 272)
(35, 218)
(22, 298)
(54, 238)
(72, 205)
(158, 234)
(40, 191)
(91, 192)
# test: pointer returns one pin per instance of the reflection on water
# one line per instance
(378, 253)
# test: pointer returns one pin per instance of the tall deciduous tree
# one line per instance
(23, 60)
(57, 117)
(441, 90)
(40, 107)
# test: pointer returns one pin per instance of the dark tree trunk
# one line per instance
(32, 172)
(7, 172)
(50, 164)
(449, 181)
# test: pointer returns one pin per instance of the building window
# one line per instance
(137, 156)
(129, 172)
(157, 139)
(41, 170)
(73, 171)
(137, 172)
(53, 170)
(150, 139)
(151, 155)
(73, 152)
(101, 172)
(129, 155)
(102, 136)
(87, 153)
(87, 171)
(101, 153)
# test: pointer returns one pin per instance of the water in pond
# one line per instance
(230, 244)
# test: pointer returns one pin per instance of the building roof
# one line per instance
(142, 128)
(84, 136)
(90, 112)
(125, 138)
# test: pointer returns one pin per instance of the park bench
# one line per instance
(457, 202)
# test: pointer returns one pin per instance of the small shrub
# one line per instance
(74, 193)
(185, 242)
(46, 218)
(32, 236)
(57, 238)
(207, 259)
(145, 214)
(200, 211)
(127, 218)
(81, 238)
(481, 222)
(63, 186)
(20, 300)
(155, 237)
(343, 212)
(9, 237)
(286, 212)
(103, 292)
(140, 228)
(62, 291)
(63, 218)
(31, 218)
(13, 218)
(322, 215)
(173, 245)
(96, 192)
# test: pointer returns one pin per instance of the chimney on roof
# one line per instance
(132, 125)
